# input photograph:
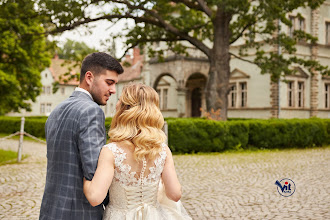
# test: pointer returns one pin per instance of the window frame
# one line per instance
(239, 94)
(291, 98)
(327, 32)
(42, 108)
(326, 95)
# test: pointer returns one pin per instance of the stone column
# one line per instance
(181, 92)
(314, 101)
(274, 99)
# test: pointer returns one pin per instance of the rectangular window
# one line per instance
(232, 96)
(43, 90)
(243, 94)
(300, 94)
(327, 96)
(48, 90)
(327, 33)
(165, 92)
(292, 28)
(42, 108)
(48, 108)
(301, 22)
(291, 94)
(160, 97)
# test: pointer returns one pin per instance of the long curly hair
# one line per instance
(138, 120)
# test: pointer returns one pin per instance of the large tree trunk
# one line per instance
(218, 82)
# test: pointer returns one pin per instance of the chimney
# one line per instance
(136, 55)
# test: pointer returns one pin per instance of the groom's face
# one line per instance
(103, 86)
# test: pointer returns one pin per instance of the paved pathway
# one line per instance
(222, 186)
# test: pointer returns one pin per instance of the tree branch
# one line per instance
(150, 40)
(246, 27)
(168, 27)
(240, 58)
(189, 4)
(105, 17)
(241, 33)
(155, 19)
(205, 8)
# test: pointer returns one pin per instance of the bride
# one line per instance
(136, 166)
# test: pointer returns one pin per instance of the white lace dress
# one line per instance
(136, 198)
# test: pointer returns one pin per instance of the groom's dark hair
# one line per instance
(97, 62)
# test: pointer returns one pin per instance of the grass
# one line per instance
(9, 157)
(17, 137)
(251, 150)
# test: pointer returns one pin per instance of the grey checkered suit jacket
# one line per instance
(75, 133)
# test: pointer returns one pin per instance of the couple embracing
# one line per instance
(135, 171)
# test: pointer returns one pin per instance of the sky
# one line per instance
(101, 31)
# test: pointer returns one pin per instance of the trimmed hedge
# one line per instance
(187, 135)
(33, 125)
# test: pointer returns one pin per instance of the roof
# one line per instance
(133, 71)
(59, 67)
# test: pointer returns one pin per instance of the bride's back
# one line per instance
(135, 183)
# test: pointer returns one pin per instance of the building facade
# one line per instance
(180, 81)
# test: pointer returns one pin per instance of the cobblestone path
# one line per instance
(222, 186)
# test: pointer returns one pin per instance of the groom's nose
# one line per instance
(112, 89)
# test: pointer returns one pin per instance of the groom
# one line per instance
(75, 133)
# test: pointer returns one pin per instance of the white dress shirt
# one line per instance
(83, 90)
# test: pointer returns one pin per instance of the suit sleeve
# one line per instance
(91, 139)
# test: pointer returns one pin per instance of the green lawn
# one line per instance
(17, 137)
(7, 156)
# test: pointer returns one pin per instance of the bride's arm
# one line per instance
(97, 189)
(170, 179)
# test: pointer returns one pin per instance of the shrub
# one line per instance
(188, 135)
(33, 125)
(286, 133)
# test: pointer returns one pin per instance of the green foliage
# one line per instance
(75, 51)
(23, 54)
(7, 156)
(191, 135)
(210, 26)
(187, 136)
(33, 125)
(288, 133)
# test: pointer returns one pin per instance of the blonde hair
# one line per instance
(139, 120)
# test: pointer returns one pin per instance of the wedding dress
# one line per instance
(139, 197)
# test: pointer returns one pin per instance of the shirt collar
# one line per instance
(83, 90)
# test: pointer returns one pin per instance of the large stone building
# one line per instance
(180, 81)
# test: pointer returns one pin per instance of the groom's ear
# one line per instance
(89, 78)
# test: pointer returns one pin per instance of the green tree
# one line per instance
(74, 50)
(23, 54)
(211, 26)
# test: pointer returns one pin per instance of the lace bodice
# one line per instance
(128, 189)
(126, 177)
(134, 188)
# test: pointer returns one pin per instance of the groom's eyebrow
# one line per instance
(111, 80)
